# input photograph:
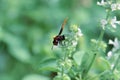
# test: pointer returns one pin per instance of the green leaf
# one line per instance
(101, 64)
(78, 56)
(35, 77)
(17, 47)
(49, 65)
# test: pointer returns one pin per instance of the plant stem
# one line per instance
(94, 51)
(116, 63)
(92, 61)
(108, 14)
(62, 73)
(101, 36)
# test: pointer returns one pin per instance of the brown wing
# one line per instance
(63, 24)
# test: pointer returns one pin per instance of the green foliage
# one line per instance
(27, 29)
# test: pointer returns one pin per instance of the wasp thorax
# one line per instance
(58, 39)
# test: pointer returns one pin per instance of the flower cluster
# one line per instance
(72, 38)
(77, 34)
(116, 46)
(115, 43)
(112, 55)
(112, 22)
(115, 6)
(112, 6)
(102, 3)
(65, 63)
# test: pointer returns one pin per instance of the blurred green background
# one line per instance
(27, 28)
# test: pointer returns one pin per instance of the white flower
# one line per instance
(115, 43)
(115, 6)
(79, 33)
(102, 3)
(118, 6)
(74, 43)
(112, 65)
(103, 23)
(109, 54)
(113, 22)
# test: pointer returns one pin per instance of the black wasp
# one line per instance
(59, 38)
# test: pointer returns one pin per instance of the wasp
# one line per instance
(59, 38)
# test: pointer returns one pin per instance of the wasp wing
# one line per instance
(63, 24)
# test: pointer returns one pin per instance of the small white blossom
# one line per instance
(109, 54)
(102, 3)
(103, 23)
(74, 43)
(115, 43)
(112, 65)
(79, 33)
(113, 22)
(115, 6)
(118, 6)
